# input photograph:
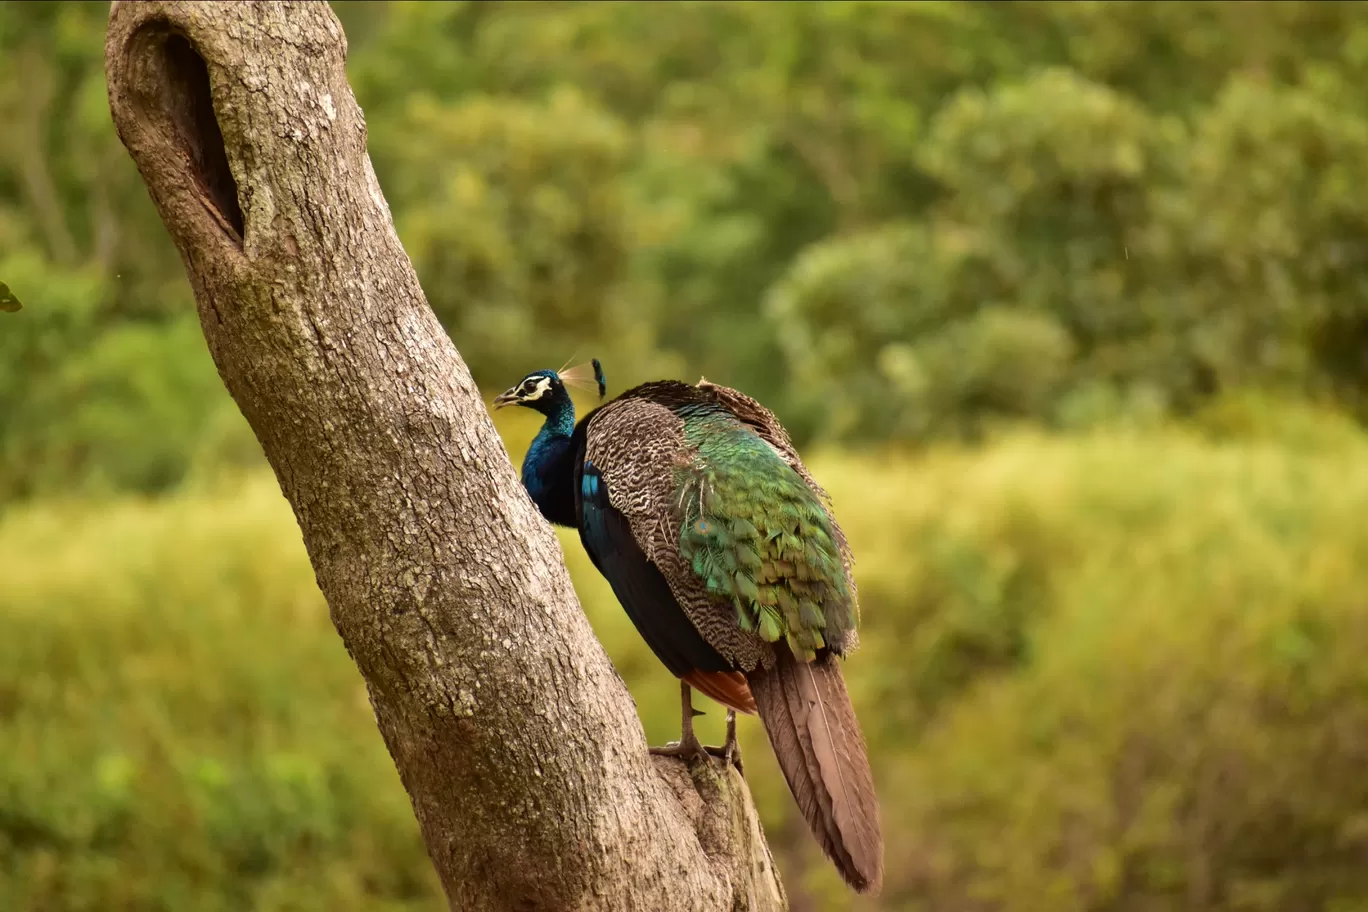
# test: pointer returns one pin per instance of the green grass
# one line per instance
(1119, 672)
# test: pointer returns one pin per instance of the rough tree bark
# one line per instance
(516, 740)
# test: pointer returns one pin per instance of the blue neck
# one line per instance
(547, 467)
(560, 418)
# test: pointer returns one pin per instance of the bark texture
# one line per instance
(516, 740)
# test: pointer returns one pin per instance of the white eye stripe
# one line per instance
(537, 388)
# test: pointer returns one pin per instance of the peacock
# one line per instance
(694, 505)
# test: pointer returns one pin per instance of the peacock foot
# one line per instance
(690, 753)
(689, 749)
(730, 751)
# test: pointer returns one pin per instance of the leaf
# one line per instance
(8, 302)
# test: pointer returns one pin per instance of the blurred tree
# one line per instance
(66, 188)
(515, 210)
(100, 386)
(1269, 227)
(1168, 184)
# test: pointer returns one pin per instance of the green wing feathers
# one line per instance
(759, 537)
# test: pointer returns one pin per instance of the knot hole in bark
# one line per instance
(172, 83)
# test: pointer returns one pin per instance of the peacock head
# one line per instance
(540, 390)
(544, 390)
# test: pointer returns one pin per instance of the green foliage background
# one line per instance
(1069, 300)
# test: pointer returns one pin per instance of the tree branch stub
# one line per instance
(517, 742)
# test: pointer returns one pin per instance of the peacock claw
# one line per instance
(729, 756)
(689, 750)
(730, 751)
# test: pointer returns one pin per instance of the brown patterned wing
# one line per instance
(638, 446)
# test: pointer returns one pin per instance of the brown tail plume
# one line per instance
(814, 733)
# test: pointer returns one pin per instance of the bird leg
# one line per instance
(688, 747)
(730, 751)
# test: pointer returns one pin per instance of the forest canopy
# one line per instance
(891, 221)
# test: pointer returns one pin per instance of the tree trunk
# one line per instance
(516, 740)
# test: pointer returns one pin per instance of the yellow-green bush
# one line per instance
(1108, 673)
(1117, 673)
(181, 726)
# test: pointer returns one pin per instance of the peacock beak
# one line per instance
(508, 397)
